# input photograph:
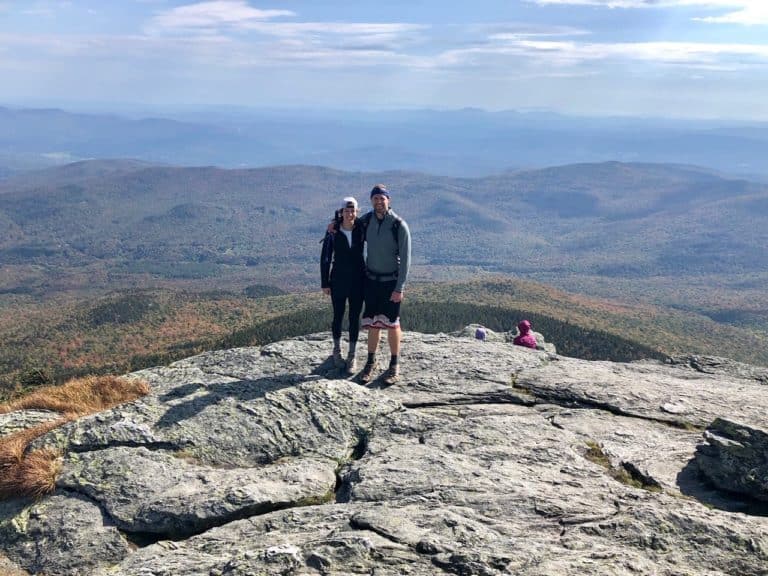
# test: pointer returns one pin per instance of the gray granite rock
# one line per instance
(724, 366)
(64, 534)
(23, 419)
(735, 458)
(187, 498)
(485, 459)
(648, 390)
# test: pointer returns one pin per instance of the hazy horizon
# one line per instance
(139, 110)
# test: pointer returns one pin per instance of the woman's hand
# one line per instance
(327, 291)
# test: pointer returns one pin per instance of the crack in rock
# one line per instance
(568, 400)
(158, 446)
(148, 492)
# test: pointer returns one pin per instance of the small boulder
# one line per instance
(735, 458)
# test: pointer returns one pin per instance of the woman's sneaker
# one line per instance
(351, 363)
(338, 361)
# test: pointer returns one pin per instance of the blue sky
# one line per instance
(675, 58)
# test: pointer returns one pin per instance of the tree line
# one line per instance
(433, 317)
(419, 316)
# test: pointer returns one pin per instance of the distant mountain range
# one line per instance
(465, 142)
(667, 234)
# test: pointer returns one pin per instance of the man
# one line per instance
(388, 241)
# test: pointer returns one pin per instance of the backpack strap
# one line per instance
(366, 220)
(396, 230)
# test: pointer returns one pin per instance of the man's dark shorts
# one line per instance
(380, 311)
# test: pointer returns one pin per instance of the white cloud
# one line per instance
(344, 45)
(207, 37)
(213, 15)
(374, 31)
(269, 33)
(661, 52)
(747, 12)
(302, 45)
(603, 3)
(554, 56)
(271, 37)
(749, 15)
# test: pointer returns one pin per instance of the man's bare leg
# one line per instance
(393, 339)
(374, 334)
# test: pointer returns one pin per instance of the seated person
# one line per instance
(525, 337)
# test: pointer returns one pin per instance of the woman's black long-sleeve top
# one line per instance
(340, 262)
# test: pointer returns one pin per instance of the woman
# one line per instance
(342, 270)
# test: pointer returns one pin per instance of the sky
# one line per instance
(662, 58)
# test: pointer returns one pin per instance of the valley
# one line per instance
(110, 265)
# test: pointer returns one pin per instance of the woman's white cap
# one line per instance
(349, 202)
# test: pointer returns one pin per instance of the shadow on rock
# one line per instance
(181, 391)
(692, 483)
(330, 371)
(203, 396)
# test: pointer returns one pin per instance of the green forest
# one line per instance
(49, 341)
(434, 317)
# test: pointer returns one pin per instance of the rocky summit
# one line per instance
(484, 459)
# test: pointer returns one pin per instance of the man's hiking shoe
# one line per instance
(338, 361)
(351, 363)
(367, 373)
(392, 374)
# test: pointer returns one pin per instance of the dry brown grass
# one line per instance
(34, 473)
(81, 396)
(39, 470)
(13, 446)
(31, 474)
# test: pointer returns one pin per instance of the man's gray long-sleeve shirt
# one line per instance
(386, 256)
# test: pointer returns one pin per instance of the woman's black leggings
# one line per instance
(339, 296)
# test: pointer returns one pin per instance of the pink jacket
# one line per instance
(525, 338)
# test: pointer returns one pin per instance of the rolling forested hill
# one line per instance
(664, 234)
(65, 336)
